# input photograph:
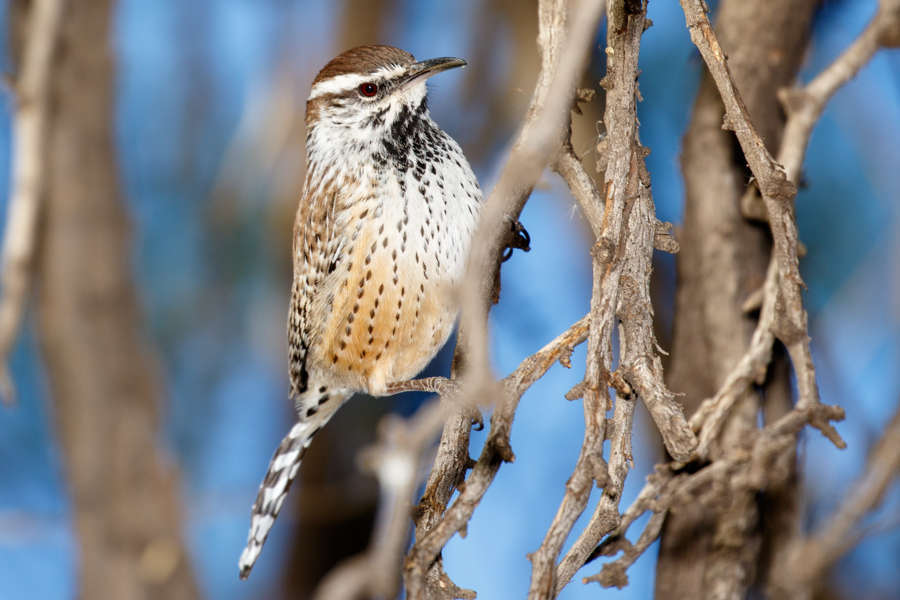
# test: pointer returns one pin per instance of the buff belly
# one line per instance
(387, 315)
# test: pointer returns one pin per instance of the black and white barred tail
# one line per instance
(315, 410)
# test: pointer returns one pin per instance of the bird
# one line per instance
(381, 237)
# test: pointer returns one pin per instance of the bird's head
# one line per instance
(368, 87)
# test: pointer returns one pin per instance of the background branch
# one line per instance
(29, 173)
(124, 491)
(397, 461)
(812, 558)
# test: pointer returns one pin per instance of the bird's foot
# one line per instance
(518, 239)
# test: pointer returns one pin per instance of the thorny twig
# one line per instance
(28, 177)
(623, 254)
(804, 106)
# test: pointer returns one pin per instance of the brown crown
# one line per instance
(364, 59)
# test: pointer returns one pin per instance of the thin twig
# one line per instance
(496, 450)
(28, 177)
(804, 106)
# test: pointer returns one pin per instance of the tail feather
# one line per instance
(281, 473)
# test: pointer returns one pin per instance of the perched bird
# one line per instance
(382, 234)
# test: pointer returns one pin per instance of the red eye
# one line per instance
(368, 89)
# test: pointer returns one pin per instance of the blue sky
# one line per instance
(212, 287)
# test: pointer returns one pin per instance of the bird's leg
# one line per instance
(447, 389)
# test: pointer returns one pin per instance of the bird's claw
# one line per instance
(517, 240)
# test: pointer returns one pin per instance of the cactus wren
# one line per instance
(382, 233)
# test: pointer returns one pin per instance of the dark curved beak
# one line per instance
(427, 68)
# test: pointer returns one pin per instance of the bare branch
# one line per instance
(746, 468)
(28, 177)
(790, 323)
(606, 516)
(804, 107)
(627, 229)
(563, 42)
(564, 49)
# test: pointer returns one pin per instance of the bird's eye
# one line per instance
(368, 89)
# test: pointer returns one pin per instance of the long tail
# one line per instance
(315, 411)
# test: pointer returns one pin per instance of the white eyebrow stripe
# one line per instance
(349, 81)
(337, 85)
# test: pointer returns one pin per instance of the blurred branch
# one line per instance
(804, 106)
(397, 462)
(29, 151)
(812, 558)
(564, 43)
(808, 560)
(124, 492)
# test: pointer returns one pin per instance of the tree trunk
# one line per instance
(124, 490)
(714, 553)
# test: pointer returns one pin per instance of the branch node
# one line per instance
(664, 240)
(603, 251)
(577, 392)
(727, 123)
(622, 387)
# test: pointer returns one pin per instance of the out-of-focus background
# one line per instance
(209, 136)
